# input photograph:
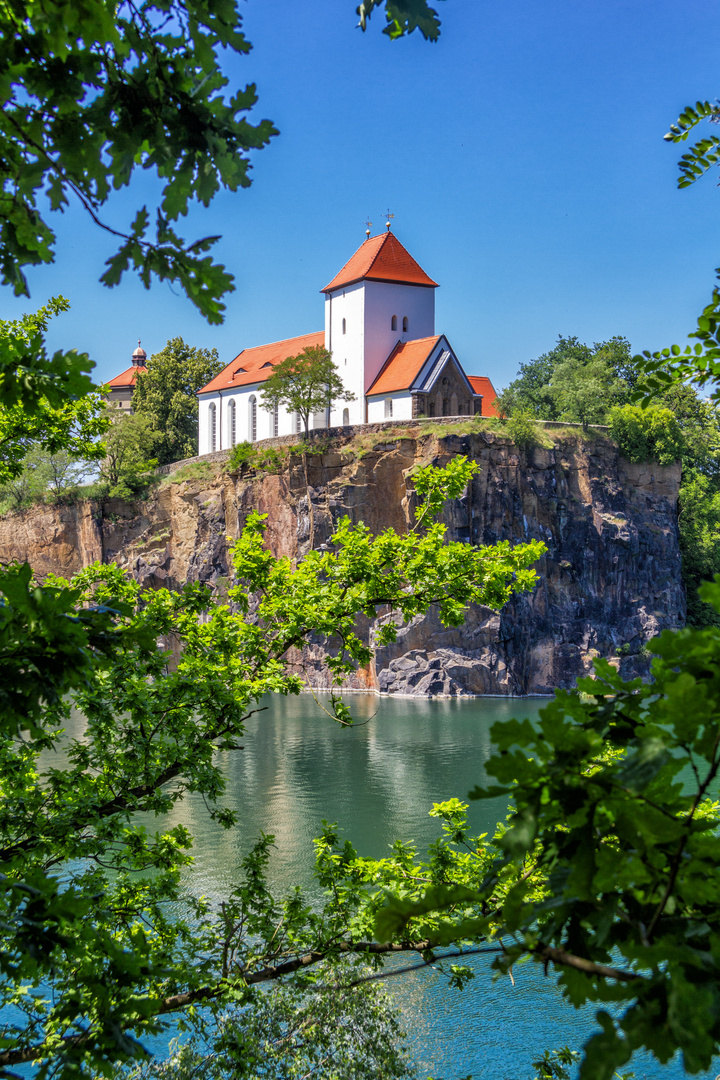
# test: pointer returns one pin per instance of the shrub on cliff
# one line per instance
(647, 434)
(45, 476)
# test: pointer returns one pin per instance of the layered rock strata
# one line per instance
(610, 579)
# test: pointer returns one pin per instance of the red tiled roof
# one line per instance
(482, 385)
(403, 365)
(126, 378)
(255, 365)
(381, 258)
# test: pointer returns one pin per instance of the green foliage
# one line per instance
(614, 840)
(194, 470)
(706, 152)
(555, 1064)
(321, 1028)
(129, 444)
(647, 434)
(697, 365)
(52, 477)
(102, 940)
(262, 459)
(93, 91)
(166, 395)
(523, 430)
(573, 382)
(694, 439)
(402, 17)
(45, 403)
(699, 524)
(305, 384)
(243, 453)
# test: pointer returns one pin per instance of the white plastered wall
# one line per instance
(362, 347)
(384, 299)
(401, 407)
(241, 397)
(347, 348)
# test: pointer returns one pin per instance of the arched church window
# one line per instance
(439, 404)
(393, 323)
(344, 326)
(388, 408)
(232, 422)
(252, 418)
(454, 405)
(405, 324)
(346, 417)
(213, 427)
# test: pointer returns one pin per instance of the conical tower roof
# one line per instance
(381, 258)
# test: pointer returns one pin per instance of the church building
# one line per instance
(380, 329)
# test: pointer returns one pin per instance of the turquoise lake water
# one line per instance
(378, 780)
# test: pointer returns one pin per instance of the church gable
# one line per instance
(445, 391)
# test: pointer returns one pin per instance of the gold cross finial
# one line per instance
(368, 226)
(388, 216)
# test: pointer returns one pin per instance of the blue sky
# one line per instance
(522, 156)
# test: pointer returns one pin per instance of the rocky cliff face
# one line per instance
(610, 579)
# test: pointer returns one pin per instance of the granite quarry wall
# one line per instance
(611, 576)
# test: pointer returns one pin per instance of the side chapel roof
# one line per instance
(482, 385)
(403, 365)
(256, 365)
(381, 258)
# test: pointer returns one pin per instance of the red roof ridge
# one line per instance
(127, 377)
(257, 368)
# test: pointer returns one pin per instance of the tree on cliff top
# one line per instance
(166, 394)
(305, 384)
(573, 382)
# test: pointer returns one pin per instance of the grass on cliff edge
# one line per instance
(522, 431)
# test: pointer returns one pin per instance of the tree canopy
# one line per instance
(45, 402)
(102, 942)
(92, 91)
(305, 384)
(166, 395)
(574, 382)
(607, 869)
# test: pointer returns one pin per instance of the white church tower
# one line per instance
(380, 297)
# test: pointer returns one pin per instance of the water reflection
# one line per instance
(378, 781)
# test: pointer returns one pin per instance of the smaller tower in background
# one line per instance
(120, 389)
(139, 357)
